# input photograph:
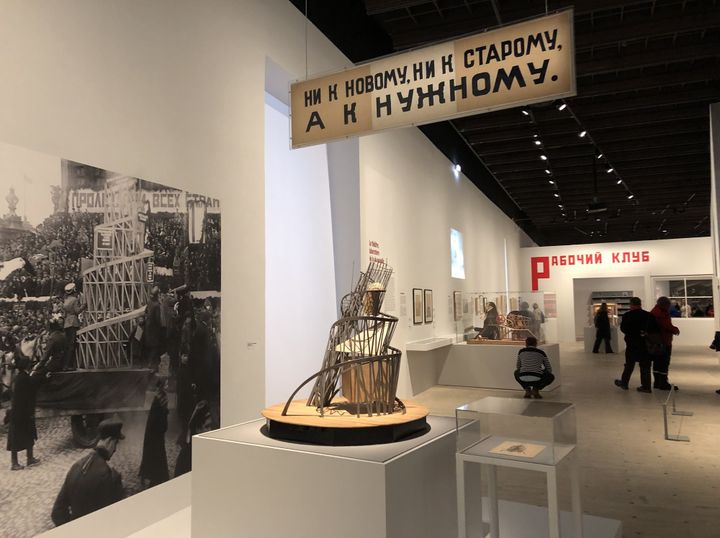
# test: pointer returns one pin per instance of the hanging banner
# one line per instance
(524, 63)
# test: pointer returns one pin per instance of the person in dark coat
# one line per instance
(54, 359)
(154, 331)
(200, 360)
(185, 392)
(661, 364)
(200, 422)
(91, 484)
(602, 326)
(154, 465)
(22, 432)
(490, 329)
(635, 323)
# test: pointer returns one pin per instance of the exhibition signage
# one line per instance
(156, 201)
(540, 265)
(524, 63)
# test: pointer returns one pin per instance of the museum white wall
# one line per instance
(299, 266)
(170, 91)
(668, 257)
(410, 198)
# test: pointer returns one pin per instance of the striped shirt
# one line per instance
(532, 359)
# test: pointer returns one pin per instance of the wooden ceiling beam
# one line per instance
(648, 58)
(698, 72)
(668, 24)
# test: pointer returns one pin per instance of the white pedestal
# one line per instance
(617, 340)
(246, 484)
(491, 366)
(481, 454)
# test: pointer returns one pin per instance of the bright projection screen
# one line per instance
(457, 259)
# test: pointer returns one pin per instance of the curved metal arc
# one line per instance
(329, 368)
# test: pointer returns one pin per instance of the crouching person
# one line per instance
(533, 370)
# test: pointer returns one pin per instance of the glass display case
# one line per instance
(502, 317)
(517, 429)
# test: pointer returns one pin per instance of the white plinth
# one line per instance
(429, 343)
(617, 340)
(491, 366)
(246, 484)
(523, 520)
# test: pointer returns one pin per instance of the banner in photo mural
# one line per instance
(109, 336)
(523, 63)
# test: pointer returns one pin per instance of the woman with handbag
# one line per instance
(661, 363)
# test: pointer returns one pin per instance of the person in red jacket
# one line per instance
(661, 364)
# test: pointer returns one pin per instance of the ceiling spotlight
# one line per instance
(610, 170)
(597, 219)
(630, 196)
(552, 182)
(582, 134)
(548, 172)
(561, 105)
(543, 157)
(538, 143)
(556, 195)
(664, 231)
(599, 155)
(457, 168)
(618, 182)
(525, 111)
(560, 206)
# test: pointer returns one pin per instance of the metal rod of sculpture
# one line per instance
(358, 357)
(116, 286)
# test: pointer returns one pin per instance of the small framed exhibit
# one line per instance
(417, 306)
(428, 304)
(457, 306)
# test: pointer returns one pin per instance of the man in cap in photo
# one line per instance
(91, 483)
(73, 306)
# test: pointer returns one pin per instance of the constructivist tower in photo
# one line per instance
(116, 287)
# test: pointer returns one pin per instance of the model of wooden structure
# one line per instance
(360, 363)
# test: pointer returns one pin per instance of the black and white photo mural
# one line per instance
(109, 336)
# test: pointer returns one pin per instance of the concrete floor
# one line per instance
(657, 488)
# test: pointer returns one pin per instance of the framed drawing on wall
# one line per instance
(457, 305)
(428, 302)
(417, 306)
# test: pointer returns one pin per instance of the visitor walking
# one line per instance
(634, 325)
(661, 364)
(602, 329)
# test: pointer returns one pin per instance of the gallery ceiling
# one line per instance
(646, 72)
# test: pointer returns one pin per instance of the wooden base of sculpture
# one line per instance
(340, 425)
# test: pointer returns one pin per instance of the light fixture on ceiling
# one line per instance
(551, 181)
(618, 182)
(538, 143)
(599, 155)
(457, 168)
(630, 196)
(525, 111)
(560, 105)
(560, 206)
(543, 157)
(556, 195)
(547, 171)
(582, 134)
(610, 170)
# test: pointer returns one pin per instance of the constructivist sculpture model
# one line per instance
(361, 364)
